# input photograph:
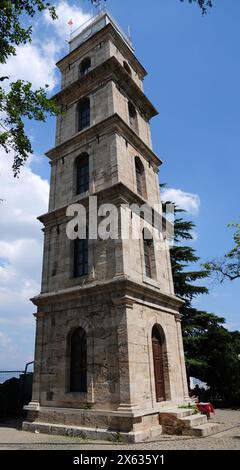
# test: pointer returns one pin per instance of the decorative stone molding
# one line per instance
(104, 34)
(127, 302)
(111, 70)
(113, 124)
(32, 406)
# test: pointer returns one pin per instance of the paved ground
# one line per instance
(11, 437)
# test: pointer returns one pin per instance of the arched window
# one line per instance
(149, 255)
(132, 116)
(78, 361)
(82, 173)
(83, 114)
(80, 257)
(140, 177)
(127, 68)
(85, 66)
(157, 347)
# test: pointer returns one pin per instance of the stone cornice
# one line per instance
(129, 302)
(123, 291)
(54, 217)
(108, 32)
(107, 71)
(118, 194)
(112, 124)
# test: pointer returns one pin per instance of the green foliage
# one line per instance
(18, 103)
(17, 99)
(190, 407)
(87, 406)
(12, 31)
(222, 371)
(117, 437)
(181, 257)
(211, 351)
(227, 267)
(203, 4)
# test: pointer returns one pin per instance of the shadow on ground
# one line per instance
(14, 423)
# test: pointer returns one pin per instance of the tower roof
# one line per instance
(92, 26)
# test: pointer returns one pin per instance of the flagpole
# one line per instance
(70, 23)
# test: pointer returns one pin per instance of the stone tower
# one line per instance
(108, 354)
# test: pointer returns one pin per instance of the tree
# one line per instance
(227, 267)
(211, 351)
(203, 4)
(181, 257)
(17, 99)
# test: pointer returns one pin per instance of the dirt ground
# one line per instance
(228, 438)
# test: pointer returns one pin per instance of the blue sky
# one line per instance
(194, 75)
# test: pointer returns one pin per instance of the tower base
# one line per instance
(113, 426)
(118, 426)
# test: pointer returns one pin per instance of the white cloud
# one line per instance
(24, 199)
(6, 347)
(34, 63)
(4, 340)
(65, 13)
(20, 259)
(232, 326)
(187, 201)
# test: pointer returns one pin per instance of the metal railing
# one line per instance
(26, 370)
(93, 19)
(15, 390)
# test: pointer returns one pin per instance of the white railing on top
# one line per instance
(93, 19)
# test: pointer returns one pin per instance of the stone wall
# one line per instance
(101, 107)
(106, 258)
(103, 171)
(127, 173)
(121, 100)
(111, 160)
(115, 52)
(119, 353)
(98, 51)
(140, 321)
(95, 315)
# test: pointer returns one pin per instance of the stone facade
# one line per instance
(116, 303)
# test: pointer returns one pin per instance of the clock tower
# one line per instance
(109, 354)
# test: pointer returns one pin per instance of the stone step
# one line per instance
(186, 423)
(177, 412)
(202, 431)
(193, 420)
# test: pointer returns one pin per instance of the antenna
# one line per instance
(129, 33)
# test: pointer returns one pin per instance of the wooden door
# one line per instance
(158, 364)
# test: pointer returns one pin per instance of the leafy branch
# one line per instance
(18, 103)
(12, 31)
(227, 267)
(17, 99)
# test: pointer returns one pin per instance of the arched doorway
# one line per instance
(157, 342)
